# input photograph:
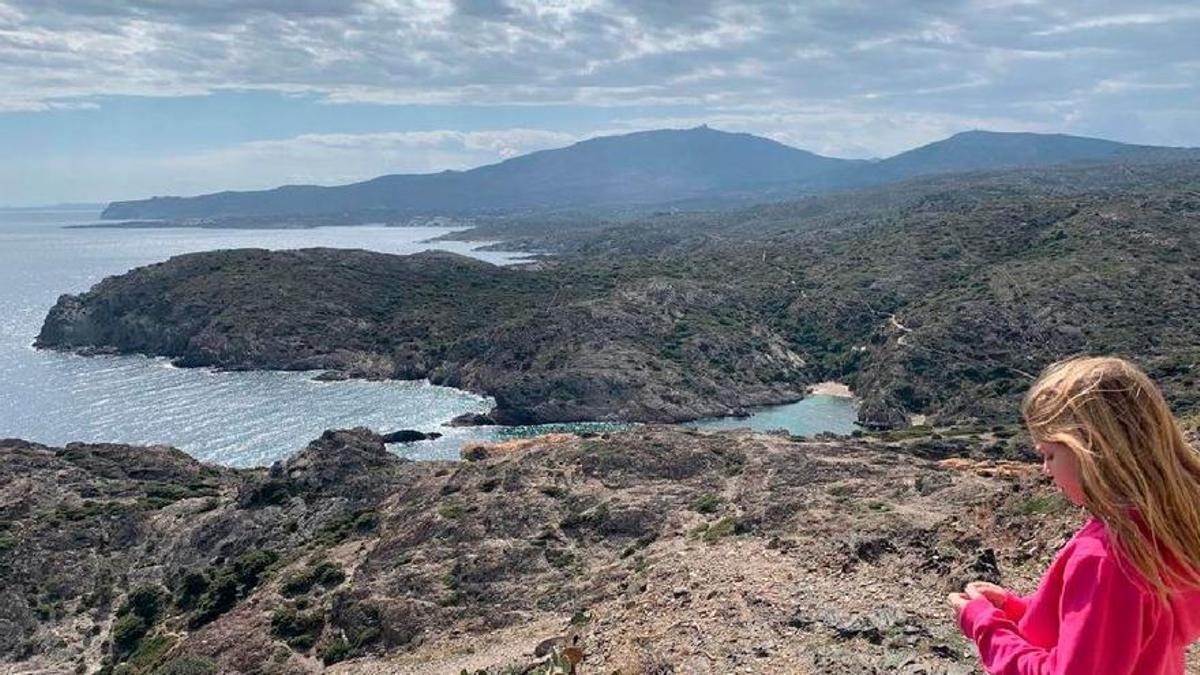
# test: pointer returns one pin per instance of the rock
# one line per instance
(471, 420)
(548, 645)
(409, 436)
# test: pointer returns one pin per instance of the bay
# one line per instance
(232, 418)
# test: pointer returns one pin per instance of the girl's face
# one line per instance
(1061, 465)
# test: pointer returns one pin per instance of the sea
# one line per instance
(234, 418)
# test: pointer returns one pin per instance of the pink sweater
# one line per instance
(1089, 616)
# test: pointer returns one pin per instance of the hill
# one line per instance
(656, 550)
(688, 169)
(651, 166)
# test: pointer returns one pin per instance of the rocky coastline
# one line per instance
(935, 300)
(547, 350)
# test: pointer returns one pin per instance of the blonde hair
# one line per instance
(1138, 473)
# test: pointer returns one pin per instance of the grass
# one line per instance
(1046, 504)
(710, 533)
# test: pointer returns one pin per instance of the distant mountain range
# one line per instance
(648, 167)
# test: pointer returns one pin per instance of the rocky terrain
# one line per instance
(937, 299)
(656, 550)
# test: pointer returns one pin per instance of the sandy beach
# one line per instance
(831, 388)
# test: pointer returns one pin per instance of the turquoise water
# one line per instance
(237, 419)
(808, 417)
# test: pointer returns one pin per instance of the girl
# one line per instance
(1123, 596)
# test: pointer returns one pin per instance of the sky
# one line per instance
(103, 100)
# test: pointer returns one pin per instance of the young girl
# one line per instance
(1123, 596)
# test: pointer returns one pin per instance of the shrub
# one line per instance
(722, 528)
(337, 650)
(145, 601)
(250, 565)
(220, 597)
(127, 631)
(299, 629)
(706, 503)
(192, 586)
(324, 573)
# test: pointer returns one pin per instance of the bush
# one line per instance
(299, 629)
(221, 596)
(325, 573)
(127, 631)
(192, 586)
(358, 523)
(722, 528)
(250, 565)
(337, 650)
(145, 601)
(706, 503)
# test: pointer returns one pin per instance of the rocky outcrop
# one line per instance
(410, 436)
(655, 549)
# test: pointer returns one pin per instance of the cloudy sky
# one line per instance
(105, 99)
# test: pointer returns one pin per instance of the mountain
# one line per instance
(991, 150)
(649, 167)
(644, 167)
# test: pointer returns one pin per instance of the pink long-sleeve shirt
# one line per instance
(1091, 615)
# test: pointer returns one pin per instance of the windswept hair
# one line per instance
(1138, 473)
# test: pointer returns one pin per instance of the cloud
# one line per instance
(1124, 20)
(600, 52)
(883, 76)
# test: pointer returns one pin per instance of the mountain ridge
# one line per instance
(645, 167)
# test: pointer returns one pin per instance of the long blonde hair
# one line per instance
(1138, 473)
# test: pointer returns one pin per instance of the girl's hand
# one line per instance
(997, 595)
(958, 601)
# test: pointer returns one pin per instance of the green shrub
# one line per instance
(357, 523)
(706, 503)
(127, 631)
(299, 629)
(337, 650)
(250, 565)
(722, 528)
(220, 597)
(451, 511)
(145, 601)
(324, 573)
(191, 587)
